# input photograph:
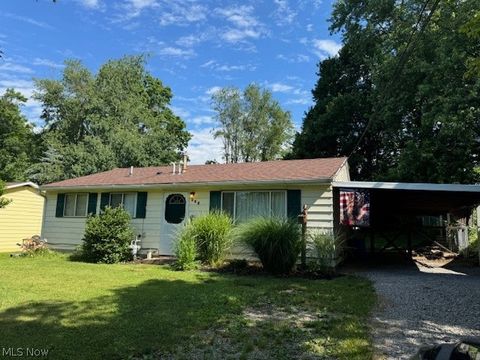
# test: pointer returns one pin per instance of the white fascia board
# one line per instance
(407, 186)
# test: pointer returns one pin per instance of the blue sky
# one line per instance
(194, 47)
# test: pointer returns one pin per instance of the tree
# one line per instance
(398, 97)
(3, 202)
(18, 146)
(252, 125)
(119, 117)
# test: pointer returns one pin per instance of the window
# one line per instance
(127, 200)
(75, 204)
(244, 205)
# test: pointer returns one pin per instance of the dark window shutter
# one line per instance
(92, 203)
(215, 200)
(294, 203)
(60, 205)
(141, 205)
(104, 201)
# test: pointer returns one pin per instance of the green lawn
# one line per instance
(89, 311)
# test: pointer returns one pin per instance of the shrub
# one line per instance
(185, 250)
(277, 242)
(323, 250)
(108, 236)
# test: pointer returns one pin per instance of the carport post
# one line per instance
(478, 233)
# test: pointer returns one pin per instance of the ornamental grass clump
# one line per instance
(107, 237)
(277, 242)
(323, 246)
(207, 238)
(185, 250)
(213, 236)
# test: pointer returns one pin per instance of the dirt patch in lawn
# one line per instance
(264, 332)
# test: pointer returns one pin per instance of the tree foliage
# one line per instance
(118, 117)
(3, 201)
(18, 146)
(417, 95)
(251, 124)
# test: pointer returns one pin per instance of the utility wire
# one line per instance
(402, 60)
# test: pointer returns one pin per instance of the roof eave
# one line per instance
(187, 185)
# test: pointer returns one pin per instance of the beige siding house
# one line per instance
(161, 199)
(22, 218)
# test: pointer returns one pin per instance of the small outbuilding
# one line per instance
(22, 217)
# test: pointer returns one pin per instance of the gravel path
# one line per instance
(423, 305)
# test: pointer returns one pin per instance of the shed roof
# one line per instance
(13, 185)
(289, 171)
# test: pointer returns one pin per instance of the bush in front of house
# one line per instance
(323, 246)
(107, 237)
(277, 242)
(185, 250)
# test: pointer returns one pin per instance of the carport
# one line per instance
(379, 217)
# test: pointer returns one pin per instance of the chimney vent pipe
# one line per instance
(185, 160)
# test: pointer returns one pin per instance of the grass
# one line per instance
(90, 311)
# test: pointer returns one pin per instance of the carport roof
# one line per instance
(407, 186)
(417, 198)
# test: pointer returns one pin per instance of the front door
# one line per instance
(174, 217)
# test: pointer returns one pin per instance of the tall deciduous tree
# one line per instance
(410, 95)
(252, 125)
(17, 140)
(118, 117)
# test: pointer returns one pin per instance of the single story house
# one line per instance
(22, 217)
(160, 199)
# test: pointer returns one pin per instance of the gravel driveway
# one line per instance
(423, 305)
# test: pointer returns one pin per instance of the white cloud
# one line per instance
(284, 15)
(297, 58)
(214, 65)
(203, 147)
(245, 24)
(299, 101)
(192, 39)
(176, 52)
(182, 13)
(90, 4)
(240, 16)
(326, 48)
(133, 8)
(48, 63)
(279, 87)
(237, 35)
(202, 120)
(180, 112)
(11, 67)
(309, 27)
(213, 90)
(28, 20)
